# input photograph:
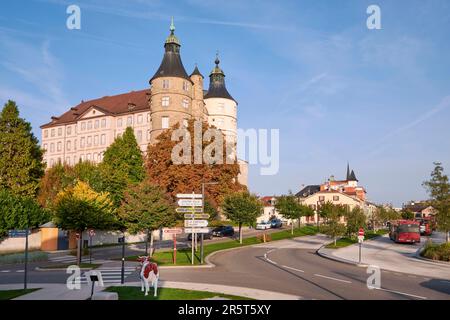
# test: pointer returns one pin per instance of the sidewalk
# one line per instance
(51, 291)
(387, 255)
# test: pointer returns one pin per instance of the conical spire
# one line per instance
(217, 88)
(348, 172)
(171, 65)
(353, 176)
(196, 72)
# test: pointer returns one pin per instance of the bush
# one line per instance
(20, 257)
(437, 251)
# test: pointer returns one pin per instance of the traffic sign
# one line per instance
(361, 232)
(17, 233)
(195, 223)
(196, 216)
(173, 230)
(190, 202)
(187, 209)
(360, 239)
(91, 232)
(189, 196)
(196, 230)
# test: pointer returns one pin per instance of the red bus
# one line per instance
(426, 228)
(405, 231)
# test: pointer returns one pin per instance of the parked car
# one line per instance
(208, 236)
(276, 223)
(223, 231)
(263, 225)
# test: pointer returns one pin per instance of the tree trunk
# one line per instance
(240, 233)
(151, 243)
(292, 226)
(299, 222)
(80, 248)
(335, 241)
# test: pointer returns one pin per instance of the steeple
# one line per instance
(348, 172)
(196, 72)
(171, 65)
(217, 88)
(352, 177)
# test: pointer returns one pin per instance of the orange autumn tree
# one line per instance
(185, 178)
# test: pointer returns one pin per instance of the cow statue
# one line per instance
(148, 274)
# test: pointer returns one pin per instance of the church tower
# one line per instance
(171, 90)
(220, 105)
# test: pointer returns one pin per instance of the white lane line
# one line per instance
(293, 269)
(402, 293)
(331, 278)
(4, 271)
(270, 261)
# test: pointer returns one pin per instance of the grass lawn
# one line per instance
(65, 266)
(134, 293)
(184, 255)
(11, 294)
(344, 242)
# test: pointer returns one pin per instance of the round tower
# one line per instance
(198, 104)
(220, 105)
(171, 90)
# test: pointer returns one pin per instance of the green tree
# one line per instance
(355, 219)
(146, 207)
(80, 207)
(21, 164)
(242, 207)
(333, 226)
(439, 189)
(19, 212)
(289, 207)
(407, 214)
(382, 215)
(122, 165)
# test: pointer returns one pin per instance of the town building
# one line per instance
(84, 132)
(421, 209)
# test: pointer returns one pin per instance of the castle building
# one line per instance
(84, 132)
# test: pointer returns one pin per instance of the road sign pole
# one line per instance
(201, 249)
(90, 249)
(174, 249)
(360, 252)
(122, 273)
(193, 234)
(26, 260)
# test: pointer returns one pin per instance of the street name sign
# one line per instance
(196, 230)
(190, 202)
(187, 209)
(189, 196)
(17, 233)
(173, 230)
(195, 223)
(196, 216)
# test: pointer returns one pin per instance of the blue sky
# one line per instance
(337, 91)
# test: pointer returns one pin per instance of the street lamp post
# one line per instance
(203, 210)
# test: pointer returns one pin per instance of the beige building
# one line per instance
(85, 131)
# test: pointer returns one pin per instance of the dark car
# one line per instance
(276, 223)
(223, 231)
(199, 236)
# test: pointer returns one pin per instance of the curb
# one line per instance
(331, 257)
(418, 255)
(59, 269)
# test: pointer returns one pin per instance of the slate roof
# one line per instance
(307, 191)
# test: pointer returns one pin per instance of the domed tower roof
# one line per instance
(217, 88)
(171, 65)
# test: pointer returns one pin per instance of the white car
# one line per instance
(263, 225)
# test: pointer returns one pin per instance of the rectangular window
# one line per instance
(68, 145)
(221, 107)
(119, 122)
(139, 136)
(103, 139)
(89, 125)
(335, 198)
(88, 157)
(59, 146)
(185, 86)
(82, 142)
(68, 160)
(321, 198)
(52, 162)
(89, 141)
(185, 103)
(75, 144)
(69, 131)
(139, 118)
(185, 123)
(148, 117)
(95, 140)
(165, 84)
(75, 159)
(45, 133)
(103, 123)
(96, 124)
(165, 122)
(52, 134)
(99, 157)
(45, 146)
(59, 132)
(148, 135)
(82, 157)
(165, 101)
(129, 121)
(52, 147)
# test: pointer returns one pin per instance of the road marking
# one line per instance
(402, 293)
(270, 261)
(331, 278)
(293, 269)
(426, 279)
(20, 270)
(4, 271)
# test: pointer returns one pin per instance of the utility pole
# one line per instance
(25, 280)
(122, 273)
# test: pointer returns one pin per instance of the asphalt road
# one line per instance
(287, 266)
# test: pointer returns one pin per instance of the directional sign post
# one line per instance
(196, 216)
(195, 223)
(189, 210)
(360, 241)
(174, 232)
(196, 230)
(190, 202)
(91, 234)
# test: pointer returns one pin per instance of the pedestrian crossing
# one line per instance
(109, 275)
(72, 259)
